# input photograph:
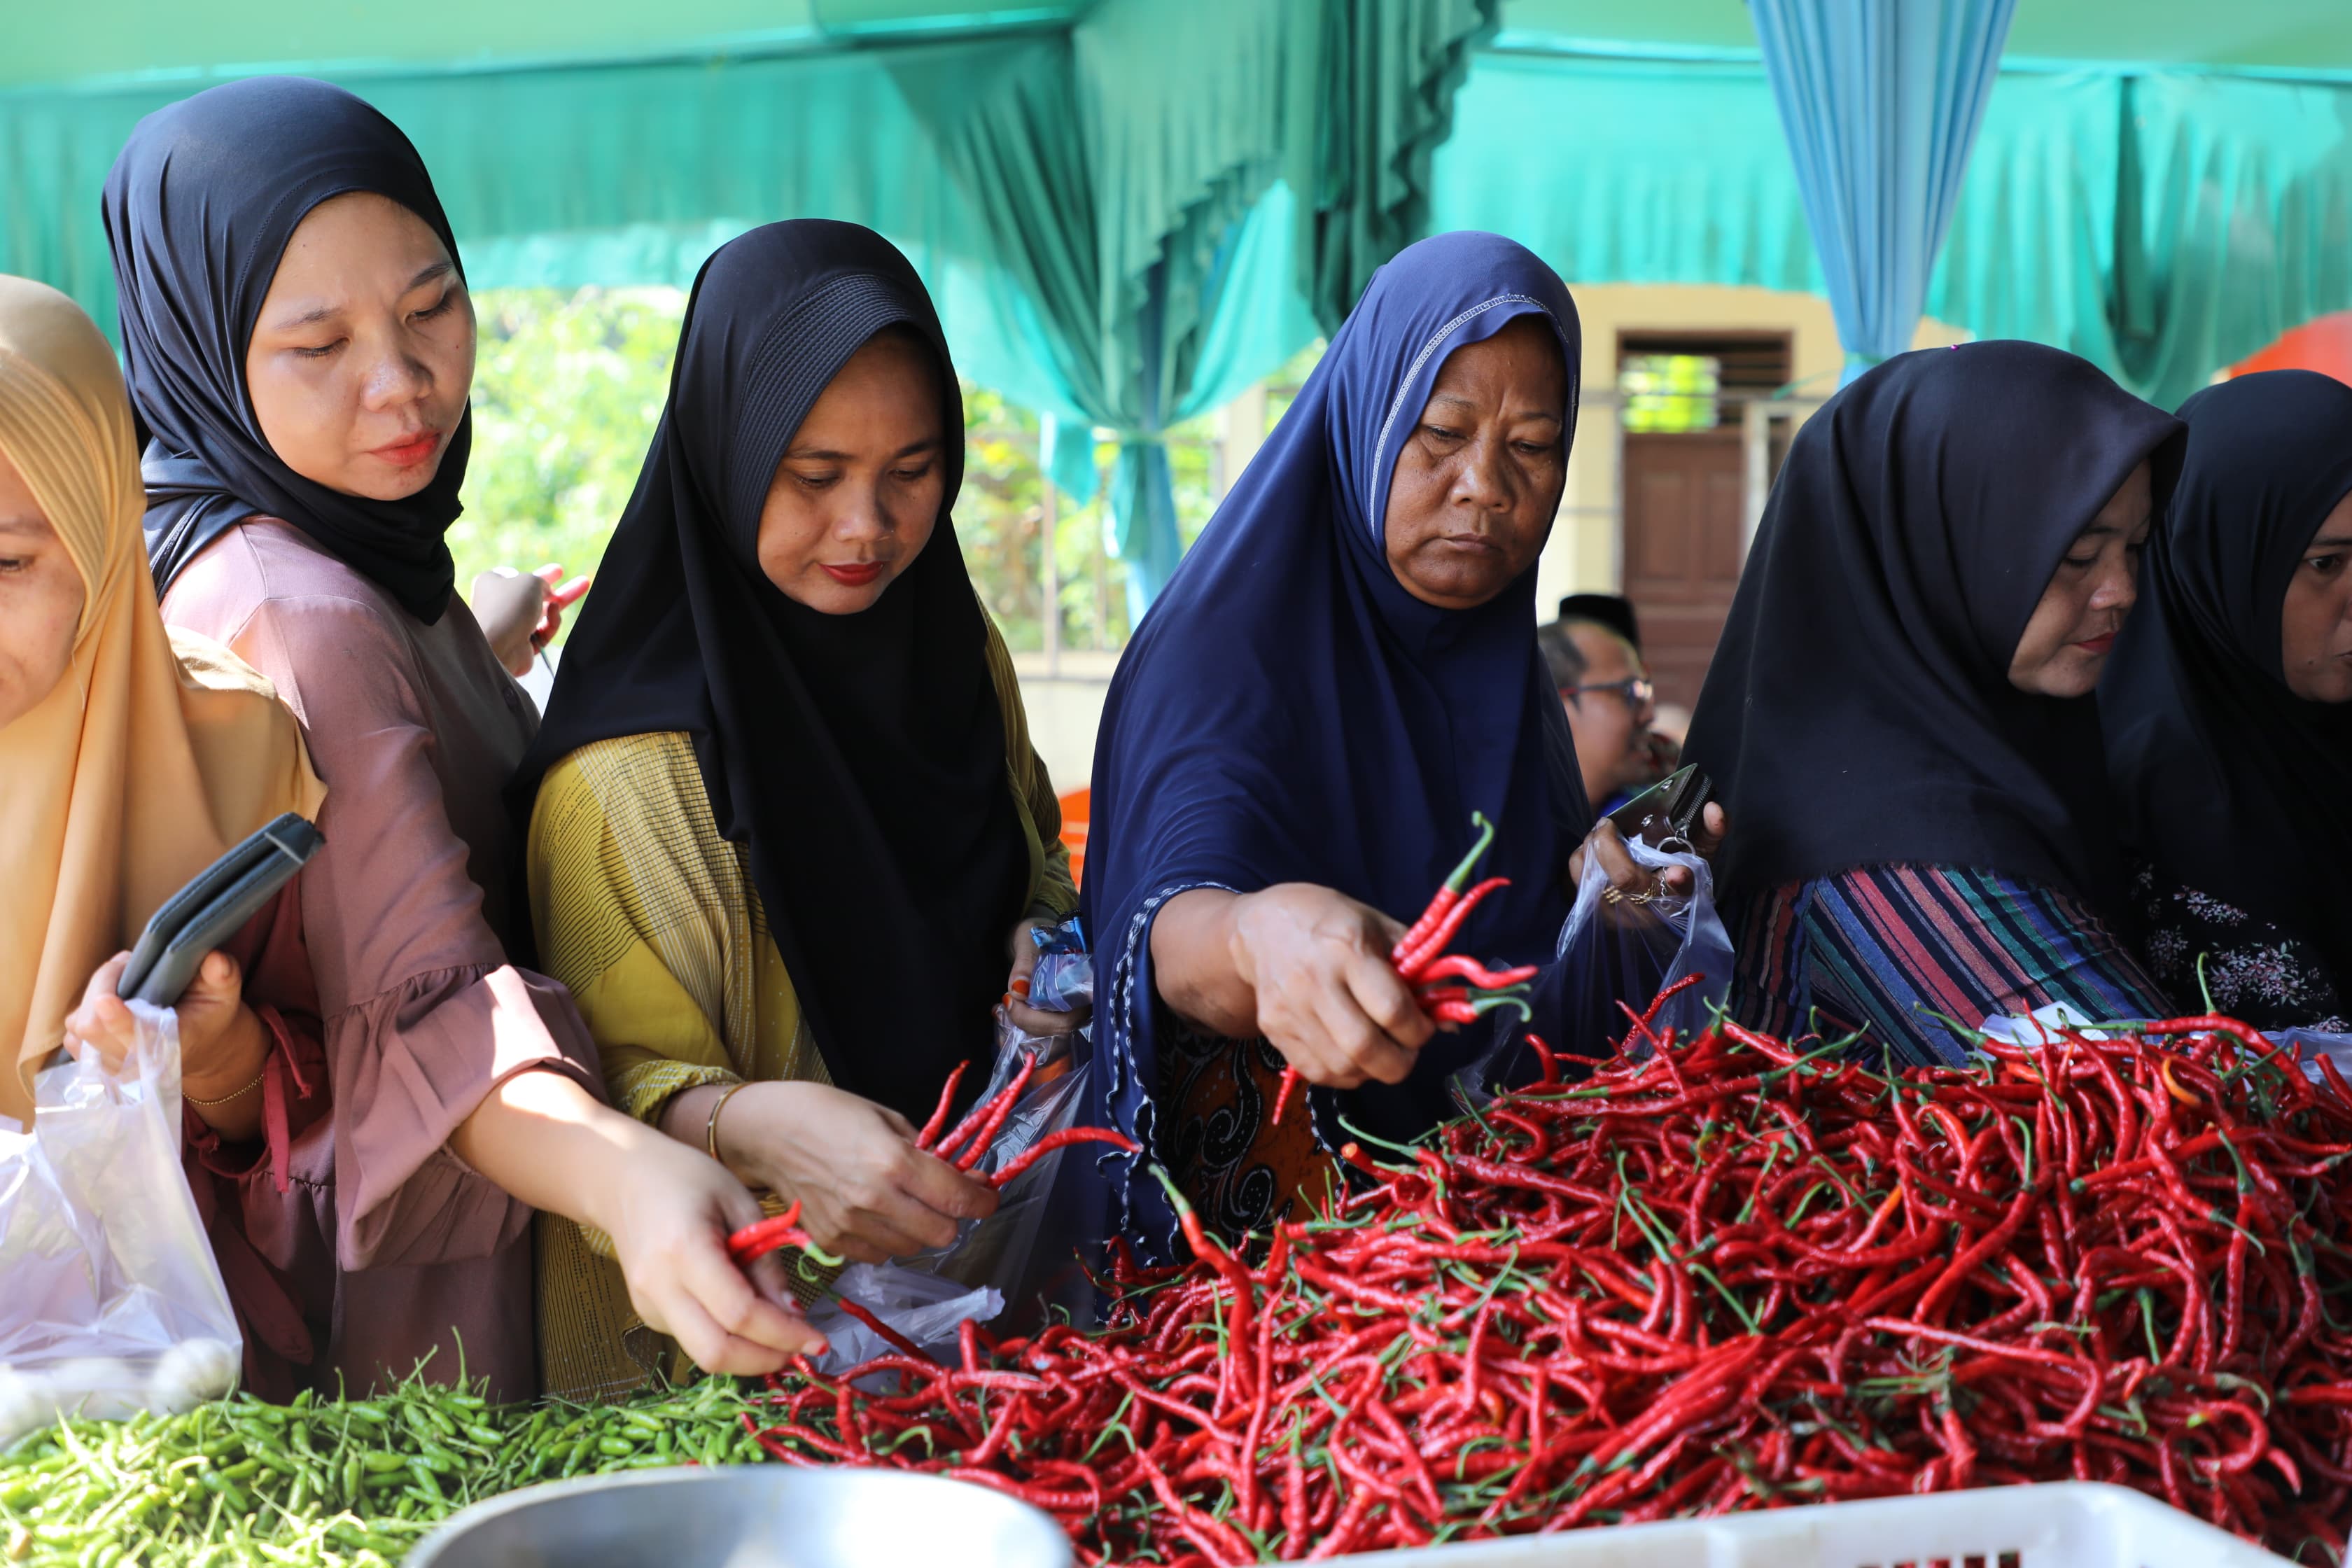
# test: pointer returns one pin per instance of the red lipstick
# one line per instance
(409, 453)
(2100, 644)
(856, 575)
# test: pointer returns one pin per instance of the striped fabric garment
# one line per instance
(1898, 950)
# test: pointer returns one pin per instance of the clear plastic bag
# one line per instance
(923, 1308)
(113, 1302)
(1023, 1249)
(1628, 953)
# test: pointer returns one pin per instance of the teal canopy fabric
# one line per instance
(1371, 91)
(1881, 105)
(1131, 209)
(2160, 224)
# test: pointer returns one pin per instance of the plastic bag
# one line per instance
(1020, 1260)
(1629, 952)
(1064, 980)
(924, 1308)
(1023, 1249)
(2311, 1045)
(113, 1302)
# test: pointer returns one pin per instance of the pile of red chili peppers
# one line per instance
(1719, 1274)
(1452, 987)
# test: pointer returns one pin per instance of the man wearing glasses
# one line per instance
(1611, 703)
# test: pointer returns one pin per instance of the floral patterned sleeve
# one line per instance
(2252, 970)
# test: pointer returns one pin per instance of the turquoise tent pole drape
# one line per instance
(1881, 103)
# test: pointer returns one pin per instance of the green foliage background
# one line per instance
(568, 388)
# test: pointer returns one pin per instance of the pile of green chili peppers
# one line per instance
(330, 1482)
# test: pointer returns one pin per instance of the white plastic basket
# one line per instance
(2064, 1524)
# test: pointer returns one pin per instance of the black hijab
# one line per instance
(198, 210)
(860, 758)
(2227, 781)
(1859, 709)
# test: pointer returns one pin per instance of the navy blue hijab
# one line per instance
(1289, 712)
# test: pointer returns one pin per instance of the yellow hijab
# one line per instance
(157, 751)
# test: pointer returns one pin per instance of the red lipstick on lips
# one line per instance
(856, 575)
(409, 453)
(2100, 644)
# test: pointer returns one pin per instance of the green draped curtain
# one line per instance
(1155, 251)
(620, 175)
(1372, 84)
(2161, 224)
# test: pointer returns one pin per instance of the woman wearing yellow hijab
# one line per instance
(130, 757)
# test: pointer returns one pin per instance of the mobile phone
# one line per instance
(1667, 809)
(212, 907)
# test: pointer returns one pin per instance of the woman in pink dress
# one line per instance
(300, 344)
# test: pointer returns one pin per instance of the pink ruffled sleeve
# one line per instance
(422, 1016)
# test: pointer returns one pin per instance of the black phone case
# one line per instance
(197, 918)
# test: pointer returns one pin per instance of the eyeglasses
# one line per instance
(1634, 693)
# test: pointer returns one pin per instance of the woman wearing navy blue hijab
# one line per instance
(1343, 670)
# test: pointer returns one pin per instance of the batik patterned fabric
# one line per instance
(2252, 970)
(1904, 953)
(1240, 1170)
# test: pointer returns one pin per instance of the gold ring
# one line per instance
(1612, 896)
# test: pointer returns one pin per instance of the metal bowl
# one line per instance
(752, 1516)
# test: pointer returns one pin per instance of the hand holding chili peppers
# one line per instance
(668, 1226)
(1420, 960)
(867, 1190)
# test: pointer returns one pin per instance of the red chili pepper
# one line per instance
(891, 1336)
(1735, 1273)
(981, 1126)
(1064, 1139)
(1458, 966)
(1447, 893)
(939, 1115)
(757, 1240)
(1283, 1092)
(1442, 934)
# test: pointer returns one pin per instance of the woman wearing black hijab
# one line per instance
(788, 835)
(2228, 710)
(1900, 714)
(298, 340)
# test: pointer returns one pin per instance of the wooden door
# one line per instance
(1681, 549)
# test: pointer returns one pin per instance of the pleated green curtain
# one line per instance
(1148, 250)
(1372, 90)
(620, 175)
(1620, 170)
(2161, 224)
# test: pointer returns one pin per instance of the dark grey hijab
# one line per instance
(1859, 709)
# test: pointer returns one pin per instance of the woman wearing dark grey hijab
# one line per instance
(1900, 715)
(2228, 709)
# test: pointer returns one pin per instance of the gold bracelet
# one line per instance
(710, 1128)
(232, 1094)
